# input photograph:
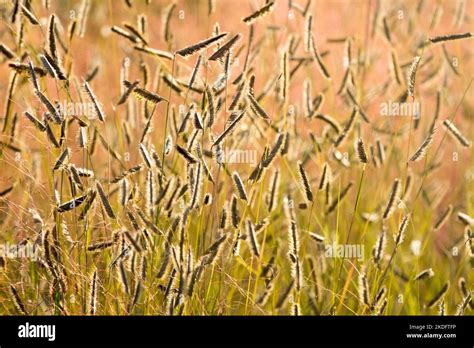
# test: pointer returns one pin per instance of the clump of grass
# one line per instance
(211, 168)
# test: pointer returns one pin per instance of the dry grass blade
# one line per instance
(190, 50)
(420, 153)
(451, 37)
(457, 135)
(319, 60)
(97, 106)
(259, 13)
(154, 52)
(72, 204)
(29, 15)
(305, 182)
(105, 201)
(186, 154)
(144, 94)
(412, 76)
(222, 51)
(392, 199)
(236, 119)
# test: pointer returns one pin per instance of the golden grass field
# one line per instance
(236, 157)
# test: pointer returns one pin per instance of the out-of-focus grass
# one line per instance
(233, 284)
